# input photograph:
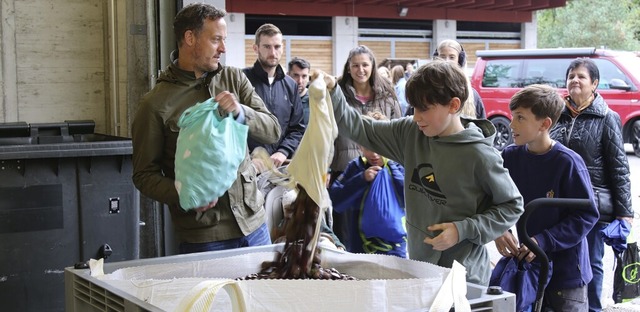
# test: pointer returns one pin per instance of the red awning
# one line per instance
(513, 11)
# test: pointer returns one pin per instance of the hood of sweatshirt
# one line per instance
(475, 130)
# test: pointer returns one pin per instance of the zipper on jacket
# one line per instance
(271, 95)
(203, 83)
(573, 122)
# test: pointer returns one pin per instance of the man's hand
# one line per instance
(278, 159)
(207, 207)
(228, 103)
(446, 239)
(259, 165)
(507, 245)
(371, 173)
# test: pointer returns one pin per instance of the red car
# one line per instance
(499, 74)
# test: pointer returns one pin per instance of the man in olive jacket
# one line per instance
(236, 219)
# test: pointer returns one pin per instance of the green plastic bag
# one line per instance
(209, 151)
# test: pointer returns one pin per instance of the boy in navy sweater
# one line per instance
(540, 167)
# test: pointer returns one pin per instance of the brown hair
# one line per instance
(192, 17)
(397, 72)
(268, 30)
(300, 62)
(543, 100)
(436, 83)
(376, 82)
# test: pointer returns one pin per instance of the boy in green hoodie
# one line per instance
(458, 194)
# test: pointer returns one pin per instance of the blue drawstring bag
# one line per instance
(520, 278)
(209, 151)
(381, 213)
(615, 235)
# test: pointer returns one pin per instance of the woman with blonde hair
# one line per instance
(451, 50)
(399, 82)
(384, 72)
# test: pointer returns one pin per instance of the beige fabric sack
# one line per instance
(310, 164)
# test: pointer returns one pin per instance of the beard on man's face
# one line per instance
(268, 62)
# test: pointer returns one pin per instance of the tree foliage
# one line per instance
(591, 23)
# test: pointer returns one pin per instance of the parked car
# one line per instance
(499, 74)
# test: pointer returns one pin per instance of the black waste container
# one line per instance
(66, 196)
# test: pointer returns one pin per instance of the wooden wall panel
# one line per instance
(470, 49)
(319, 53)
(381, 49)
(500, 46)
(412, 49)
(249, 56)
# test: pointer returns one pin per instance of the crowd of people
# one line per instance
(423, 126)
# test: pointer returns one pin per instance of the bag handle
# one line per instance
(453, 291)
(385, 166)
(194, 113)
(201, 296)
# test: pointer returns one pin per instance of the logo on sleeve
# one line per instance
(424, 181)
